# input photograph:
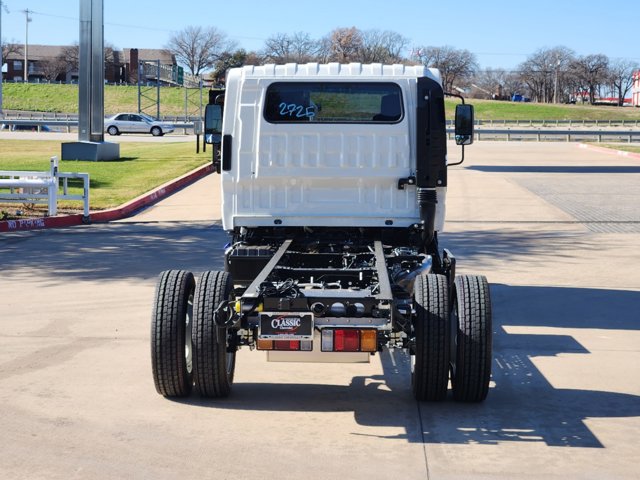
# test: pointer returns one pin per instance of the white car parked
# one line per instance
(136, 123)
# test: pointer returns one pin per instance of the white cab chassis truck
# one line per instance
(333, 182)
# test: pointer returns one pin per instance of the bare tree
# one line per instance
(547, 73)
(283, 48)
(455, 65)
(228, 60)
(512, 84)
(52, 68)
(198, 48)
(342, 45)
(382, 46)
(10, 49)
(621, 78)
(490, 83)
(591, 73)
(110, 61)
(70, 57)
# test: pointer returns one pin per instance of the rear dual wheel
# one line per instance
(431, 326)
(454, 341)
(187, 345)
(171, 322)
(214, 358)
(471, 314)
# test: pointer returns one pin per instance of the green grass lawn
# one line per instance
(618, 146)
(141, 168)
(64, 99)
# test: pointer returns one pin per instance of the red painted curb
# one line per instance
(123, 211)
(610, 151)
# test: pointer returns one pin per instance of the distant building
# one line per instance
(59, 63)
(635, 92)
(40, 56)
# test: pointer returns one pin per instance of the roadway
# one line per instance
(555, 228)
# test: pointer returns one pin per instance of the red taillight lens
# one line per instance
(286, 345)
(347, 341)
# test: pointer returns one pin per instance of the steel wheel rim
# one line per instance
(188, 345)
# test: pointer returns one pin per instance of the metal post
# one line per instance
(204, 136)
(2, 7)
(555, 85)
(158, 90)
(91, 144)
(91, 81)
(201, 85)
(139, 86)
(26, 44)
(52, 189)
(186, 108)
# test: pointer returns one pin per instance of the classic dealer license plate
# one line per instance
(286, 326)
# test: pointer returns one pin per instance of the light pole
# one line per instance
(26, 44)
(2, 7)
(91, 144)
(555, 83)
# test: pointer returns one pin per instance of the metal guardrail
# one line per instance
(20, 115)
(539, 134)
(68, 124)
(556, 123)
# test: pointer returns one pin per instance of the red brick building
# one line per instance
(58, 63)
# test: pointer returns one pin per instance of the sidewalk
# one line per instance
(124, 211)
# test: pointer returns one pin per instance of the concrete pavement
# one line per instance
(555, 228)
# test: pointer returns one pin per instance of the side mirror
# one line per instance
(464, 124)
(213, 123)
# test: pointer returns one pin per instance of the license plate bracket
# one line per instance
(286, 326)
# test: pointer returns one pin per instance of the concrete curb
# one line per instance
(117, 213)
(609, 151)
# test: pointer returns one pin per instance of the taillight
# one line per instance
(349, 340)
(285, 345)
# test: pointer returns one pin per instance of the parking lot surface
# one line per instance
(555, 228)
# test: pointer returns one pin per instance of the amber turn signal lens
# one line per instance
(265, 344)
(368, 340)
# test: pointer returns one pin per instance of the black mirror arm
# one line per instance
(457, 163)
(449, 94)
(457, 95)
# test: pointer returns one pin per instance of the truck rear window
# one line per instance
(333, 102)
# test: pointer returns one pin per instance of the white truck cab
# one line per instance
(326, 145)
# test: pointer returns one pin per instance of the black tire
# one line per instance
(113, 131)
(214, 364)
(471, 372)
(171, 352)
(156, 131)
(430, 364)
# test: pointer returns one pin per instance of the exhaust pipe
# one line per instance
(427, 200)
